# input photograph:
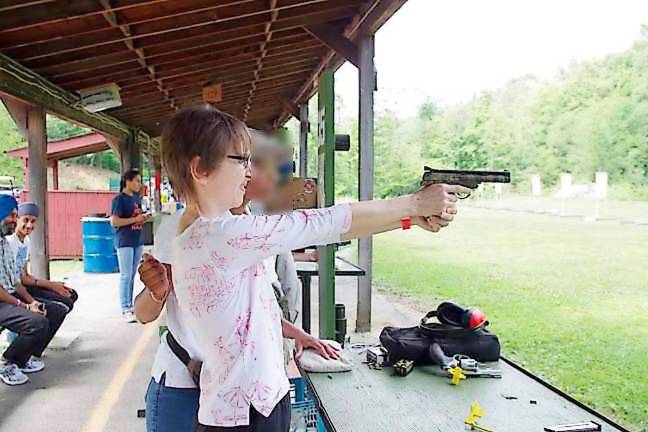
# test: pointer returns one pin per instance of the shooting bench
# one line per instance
(378, 401)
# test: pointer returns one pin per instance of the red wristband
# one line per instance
(406, 223)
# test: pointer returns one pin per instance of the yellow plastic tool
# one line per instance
(476, 412)
(457, 375)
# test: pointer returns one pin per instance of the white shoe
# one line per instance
(11, 374)
(128, 317)
(33, 365)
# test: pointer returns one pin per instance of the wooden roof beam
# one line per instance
(274, 13)
(297, 15)
(110, 16)
(15, 38)
(60, 11)
(368, 20)
(25, 85)
(335, 40)
(288, 106)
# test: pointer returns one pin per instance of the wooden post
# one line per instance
(37, 148)
(303, 139)
(55, 175)
(326, 198)
(367, 86)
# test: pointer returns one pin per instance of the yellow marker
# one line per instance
(476, 412)
(457, 375)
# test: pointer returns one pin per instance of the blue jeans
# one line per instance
(129, 258)
(170, 409)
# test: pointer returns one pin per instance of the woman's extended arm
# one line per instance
(436, 202)
(240, 241)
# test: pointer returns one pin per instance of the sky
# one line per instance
(452, 50)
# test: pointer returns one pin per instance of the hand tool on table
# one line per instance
(476, 413)
(460, 366)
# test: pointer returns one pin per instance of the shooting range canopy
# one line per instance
(161, 53)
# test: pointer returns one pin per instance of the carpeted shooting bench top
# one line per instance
(378, 401)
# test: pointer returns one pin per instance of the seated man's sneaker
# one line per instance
(33, 365)
(11, 374)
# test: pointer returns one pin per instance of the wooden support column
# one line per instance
(303, 139)
(367, 86)
(37, 148)
(326, 198)
(55, 174)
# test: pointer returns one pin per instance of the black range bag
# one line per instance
(458, 331)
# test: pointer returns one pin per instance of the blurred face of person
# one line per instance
(26, 225)
(8, 224)
(263, 182)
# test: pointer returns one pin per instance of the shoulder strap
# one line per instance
(177, 349)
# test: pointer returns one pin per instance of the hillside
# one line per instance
(76, 177)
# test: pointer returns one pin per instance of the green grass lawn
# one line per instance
(569, 299)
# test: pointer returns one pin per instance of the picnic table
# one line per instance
(307, 269)
(378, 401)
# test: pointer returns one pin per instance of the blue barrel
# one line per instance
(99, 254)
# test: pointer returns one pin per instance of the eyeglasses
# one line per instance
(243, 160)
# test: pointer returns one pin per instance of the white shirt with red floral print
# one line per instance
(222, 285)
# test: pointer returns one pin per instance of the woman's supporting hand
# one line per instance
(153, 275)
(304, 340)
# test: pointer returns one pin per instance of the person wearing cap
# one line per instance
(33, 321)
(172, 395)
(40, 289)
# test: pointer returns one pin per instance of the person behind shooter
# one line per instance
(219, 276)
(34, 322)
(40, 289)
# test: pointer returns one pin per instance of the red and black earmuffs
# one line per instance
(452, 314)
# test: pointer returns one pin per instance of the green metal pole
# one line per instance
(326, 192)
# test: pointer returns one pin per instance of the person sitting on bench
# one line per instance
(41, 289)
(34, 321)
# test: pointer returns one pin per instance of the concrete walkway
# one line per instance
(98, 382)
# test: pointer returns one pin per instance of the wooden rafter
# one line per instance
(229, 16)
(61, 11)
(274, 13)
(368, 21)
(266, 54)
(25, 85)
(125, 29)
(334, 39)
(178, 39)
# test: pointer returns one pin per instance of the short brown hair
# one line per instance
(203, 131)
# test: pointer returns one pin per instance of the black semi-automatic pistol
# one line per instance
(469, 179)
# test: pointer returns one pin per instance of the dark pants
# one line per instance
(34, 330)
(48, 295)
(278, 421)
